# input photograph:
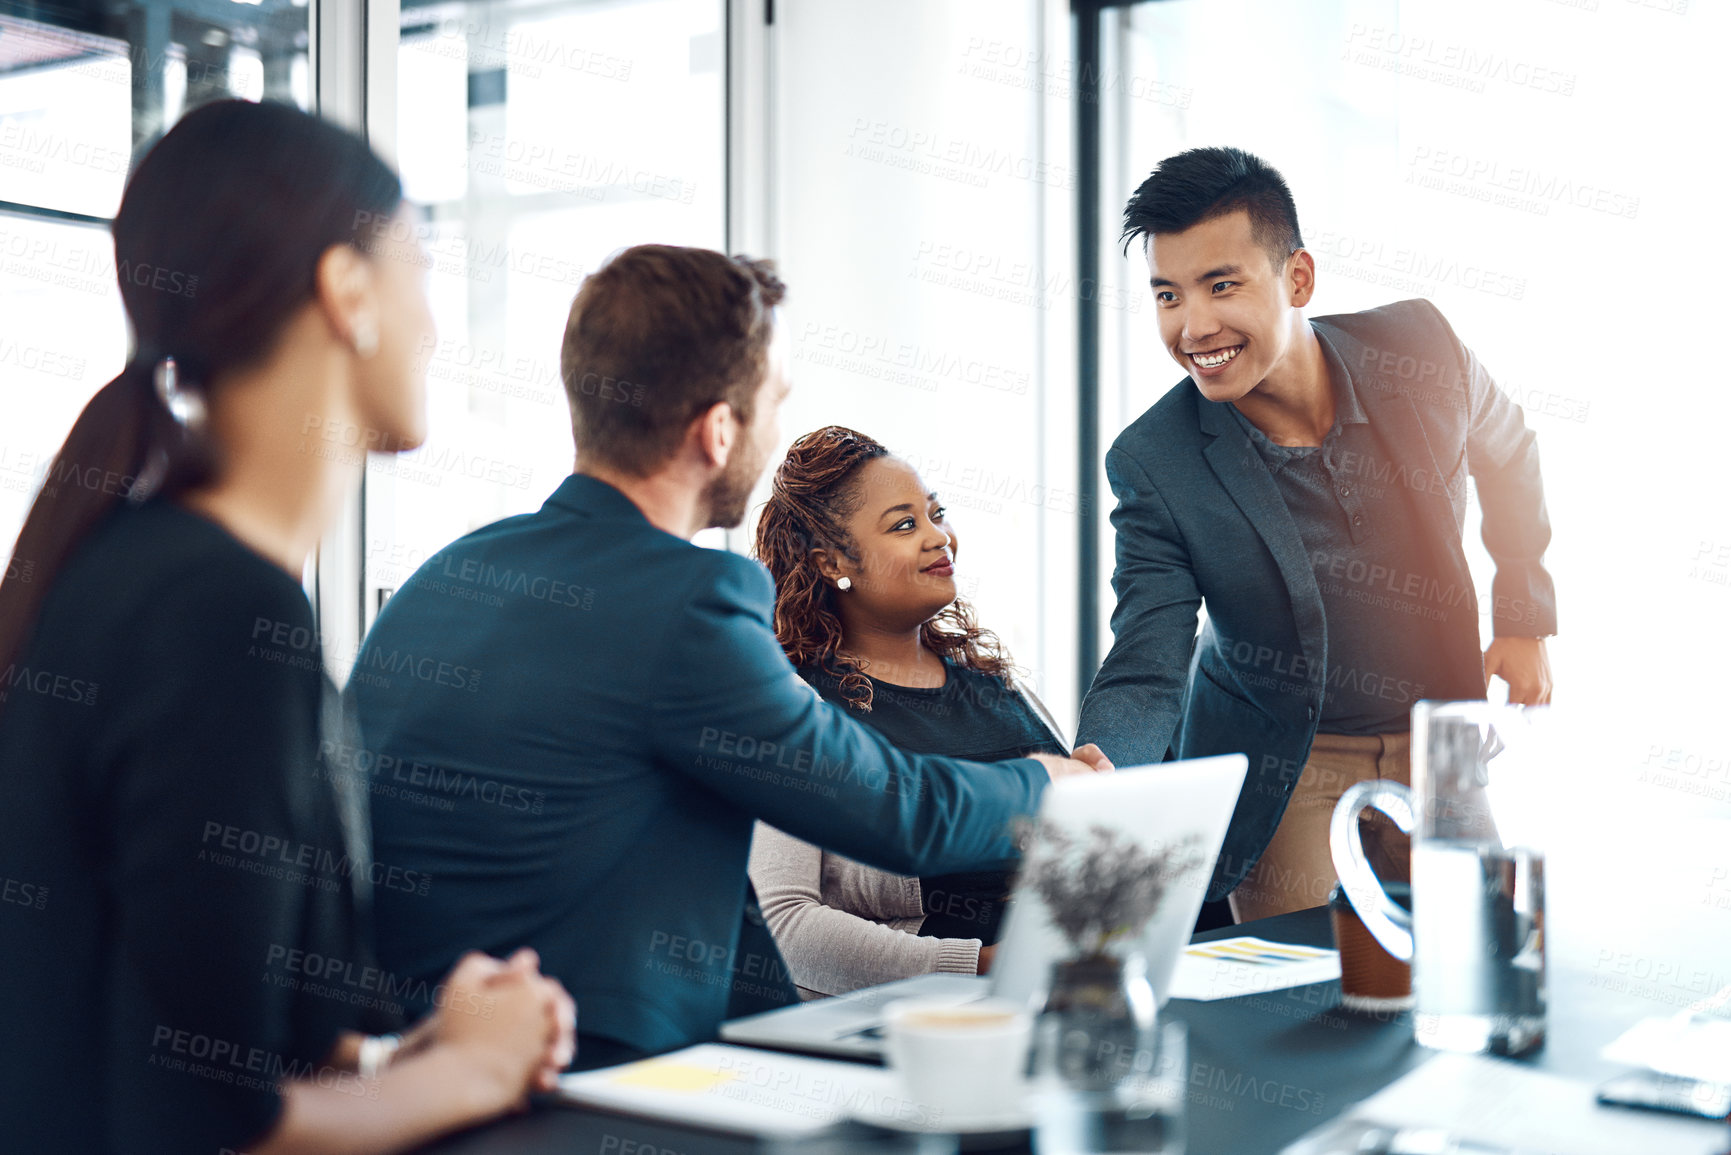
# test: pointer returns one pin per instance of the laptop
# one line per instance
(1159, 805)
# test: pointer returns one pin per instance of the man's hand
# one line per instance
(1093, 756)
(1064, 767)
(1523, 664)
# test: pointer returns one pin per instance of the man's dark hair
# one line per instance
(1204, 183)
(655, 337)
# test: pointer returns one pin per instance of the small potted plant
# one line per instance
(1100, 891)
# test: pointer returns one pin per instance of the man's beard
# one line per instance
(727, 496)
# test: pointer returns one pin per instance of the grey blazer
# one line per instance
(1199, 521)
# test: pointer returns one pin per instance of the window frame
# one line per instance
(355, 83)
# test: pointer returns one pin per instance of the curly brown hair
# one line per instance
(814, 492)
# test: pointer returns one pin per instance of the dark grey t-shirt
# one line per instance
(1384, 606)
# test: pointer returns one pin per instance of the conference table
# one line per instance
(1263, 1069)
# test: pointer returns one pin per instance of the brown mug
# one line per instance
(1371, 979)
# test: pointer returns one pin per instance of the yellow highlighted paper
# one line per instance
(1254, 950)
(665, 1075)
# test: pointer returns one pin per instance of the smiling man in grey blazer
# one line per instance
(1308, 484)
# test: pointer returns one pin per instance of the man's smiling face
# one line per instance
(1225, 310)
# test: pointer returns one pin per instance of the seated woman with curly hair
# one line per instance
(866, 607)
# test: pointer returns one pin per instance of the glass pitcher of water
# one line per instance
(1476, 933)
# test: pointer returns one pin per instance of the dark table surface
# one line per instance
(1263, 1069)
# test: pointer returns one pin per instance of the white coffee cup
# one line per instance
(963, 1062)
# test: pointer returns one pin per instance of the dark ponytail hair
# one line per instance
(216, 245)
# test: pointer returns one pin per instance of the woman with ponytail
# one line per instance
(185, 960)
(863, 557)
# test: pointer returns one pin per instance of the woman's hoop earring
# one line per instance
(844, 584)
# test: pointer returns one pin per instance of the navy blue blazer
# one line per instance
(571, 720)
(1200, 521)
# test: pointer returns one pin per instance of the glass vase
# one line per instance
(1107, 1081)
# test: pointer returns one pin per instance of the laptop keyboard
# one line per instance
(875, 998)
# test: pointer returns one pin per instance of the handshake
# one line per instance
(1089, 759)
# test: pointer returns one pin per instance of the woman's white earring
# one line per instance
(844, 583)
(366, 339)
(183, 404)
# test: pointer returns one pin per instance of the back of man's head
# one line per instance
(1203, 183)
(658, 335)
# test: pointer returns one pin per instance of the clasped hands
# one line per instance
(515, 1022)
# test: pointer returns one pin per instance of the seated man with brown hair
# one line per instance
(591, 791)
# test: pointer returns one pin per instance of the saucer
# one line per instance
(1017, 1118)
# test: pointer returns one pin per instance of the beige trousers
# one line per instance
(1297, 871)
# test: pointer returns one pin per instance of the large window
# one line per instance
(539, 139)
(1329, 128)
(918, 183)
(923, 198)
(78, 95)
(1495, 158)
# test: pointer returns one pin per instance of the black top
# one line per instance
(974, 716)
(180, 925)
(1382, 600)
